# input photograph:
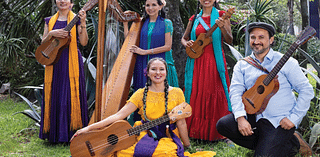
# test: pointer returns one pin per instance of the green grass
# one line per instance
(16, 140)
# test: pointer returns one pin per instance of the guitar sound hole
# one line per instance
(113, 139)
(260, 89)
(200, 42)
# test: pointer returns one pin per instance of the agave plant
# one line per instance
(33, 113)
(90, 72)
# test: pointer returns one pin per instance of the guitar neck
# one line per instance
(225, 16)
(280, 64)
(136, 130)
(72, 23)
(211, 30)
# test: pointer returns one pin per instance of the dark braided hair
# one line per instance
(162, 13)
(148, 83)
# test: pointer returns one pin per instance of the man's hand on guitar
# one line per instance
(244, 127)
(286, 124)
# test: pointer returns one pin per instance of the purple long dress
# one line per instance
(60, 99)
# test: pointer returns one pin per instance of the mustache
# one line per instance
(256, 44)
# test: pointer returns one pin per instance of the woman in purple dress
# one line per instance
(64, 109)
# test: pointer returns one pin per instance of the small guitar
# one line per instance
(48, 53)
(204, 39)
(257, 97)
(120, 135)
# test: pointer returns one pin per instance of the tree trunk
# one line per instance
(305, 23)
(290, 7)
(178, 50)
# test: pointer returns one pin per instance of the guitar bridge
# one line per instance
(89, 146)
(45, 55)
(193, 50)
(250, 102)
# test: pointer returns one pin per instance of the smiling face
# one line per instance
(64, 4)
(260, 42)
(157, 72)
(207, 3)
(152, 8)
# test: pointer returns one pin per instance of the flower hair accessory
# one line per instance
(164, 2)
(145, 72)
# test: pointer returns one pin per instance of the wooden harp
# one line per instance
(112, 96)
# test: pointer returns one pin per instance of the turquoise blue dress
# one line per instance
(172, 73)
(152, 36)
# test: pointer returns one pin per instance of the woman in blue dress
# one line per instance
(64, 108)
(155, 41)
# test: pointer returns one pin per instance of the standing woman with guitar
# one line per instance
(64, 109)
(206, 77)
(155, 100)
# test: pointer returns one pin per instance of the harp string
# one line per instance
(113, 41)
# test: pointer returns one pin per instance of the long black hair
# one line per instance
(162, 13)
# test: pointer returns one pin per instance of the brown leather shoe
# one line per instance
(305, 149)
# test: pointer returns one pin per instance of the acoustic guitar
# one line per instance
(48, 53)
(119, 135)
(204, 39)
(257, 97)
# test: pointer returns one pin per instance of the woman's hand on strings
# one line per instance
(82, 15)
(220, 22)
(80, 131)
(189, 43)
(59, 33)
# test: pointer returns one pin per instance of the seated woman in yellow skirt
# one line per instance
(154, 101)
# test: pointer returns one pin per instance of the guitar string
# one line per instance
(107, 144)
(134, 131)
(48, 49)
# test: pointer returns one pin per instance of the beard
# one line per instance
(259, 51)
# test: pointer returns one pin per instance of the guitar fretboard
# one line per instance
(280, 64)
(136, 130)
(72, 23)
